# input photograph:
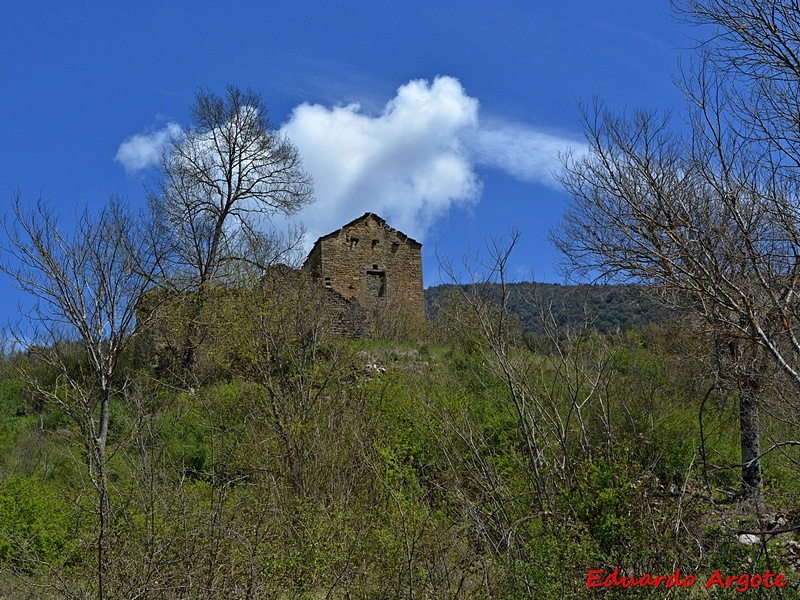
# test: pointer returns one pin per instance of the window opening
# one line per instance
(376, 284)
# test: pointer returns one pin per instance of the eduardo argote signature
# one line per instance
(741, 583)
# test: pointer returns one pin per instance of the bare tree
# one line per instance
(745, 97)
(708, 218)
(222, 180)
(551, 395)
(86, 286)
(755, 46)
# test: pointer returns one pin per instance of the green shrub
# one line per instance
(33, 521)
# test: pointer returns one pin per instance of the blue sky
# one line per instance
(443, 117)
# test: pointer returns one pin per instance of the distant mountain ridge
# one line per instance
(606, 307)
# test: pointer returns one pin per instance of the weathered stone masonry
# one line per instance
(371, 263)
(366, 271)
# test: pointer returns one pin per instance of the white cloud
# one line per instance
(410, 163)
(522, 152)
(414, 160)
(143, 150)
(407, 164)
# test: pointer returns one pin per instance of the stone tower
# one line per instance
(372, 263)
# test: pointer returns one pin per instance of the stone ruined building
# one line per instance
(369, 270)
(369, 276)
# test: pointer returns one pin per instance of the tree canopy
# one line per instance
(222, 181)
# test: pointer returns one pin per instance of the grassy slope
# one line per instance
(409, 475)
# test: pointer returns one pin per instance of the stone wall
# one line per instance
(364, 279)
(347, 317)
(374, 264)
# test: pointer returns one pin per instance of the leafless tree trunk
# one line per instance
(222, 181)
(86, 286)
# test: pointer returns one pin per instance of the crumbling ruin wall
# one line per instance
(347, 317)
(374, 264)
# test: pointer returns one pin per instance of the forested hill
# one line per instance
(607, 307)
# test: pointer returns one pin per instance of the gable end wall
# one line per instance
(371, 263)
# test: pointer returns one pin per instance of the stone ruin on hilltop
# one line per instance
(368, 269)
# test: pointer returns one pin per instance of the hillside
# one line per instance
(291, 463)
(606, 308)
(444, 461)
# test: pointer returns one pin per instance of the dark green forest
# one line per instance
(604, 307)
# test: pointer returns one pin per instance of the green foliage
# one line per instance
(34, 522)
(603, 498)
(405, 446)
(12, 401)
(556, 560)
(309, 467)
(189, 444)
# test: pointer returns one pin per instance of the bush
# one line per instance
(33, 521)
